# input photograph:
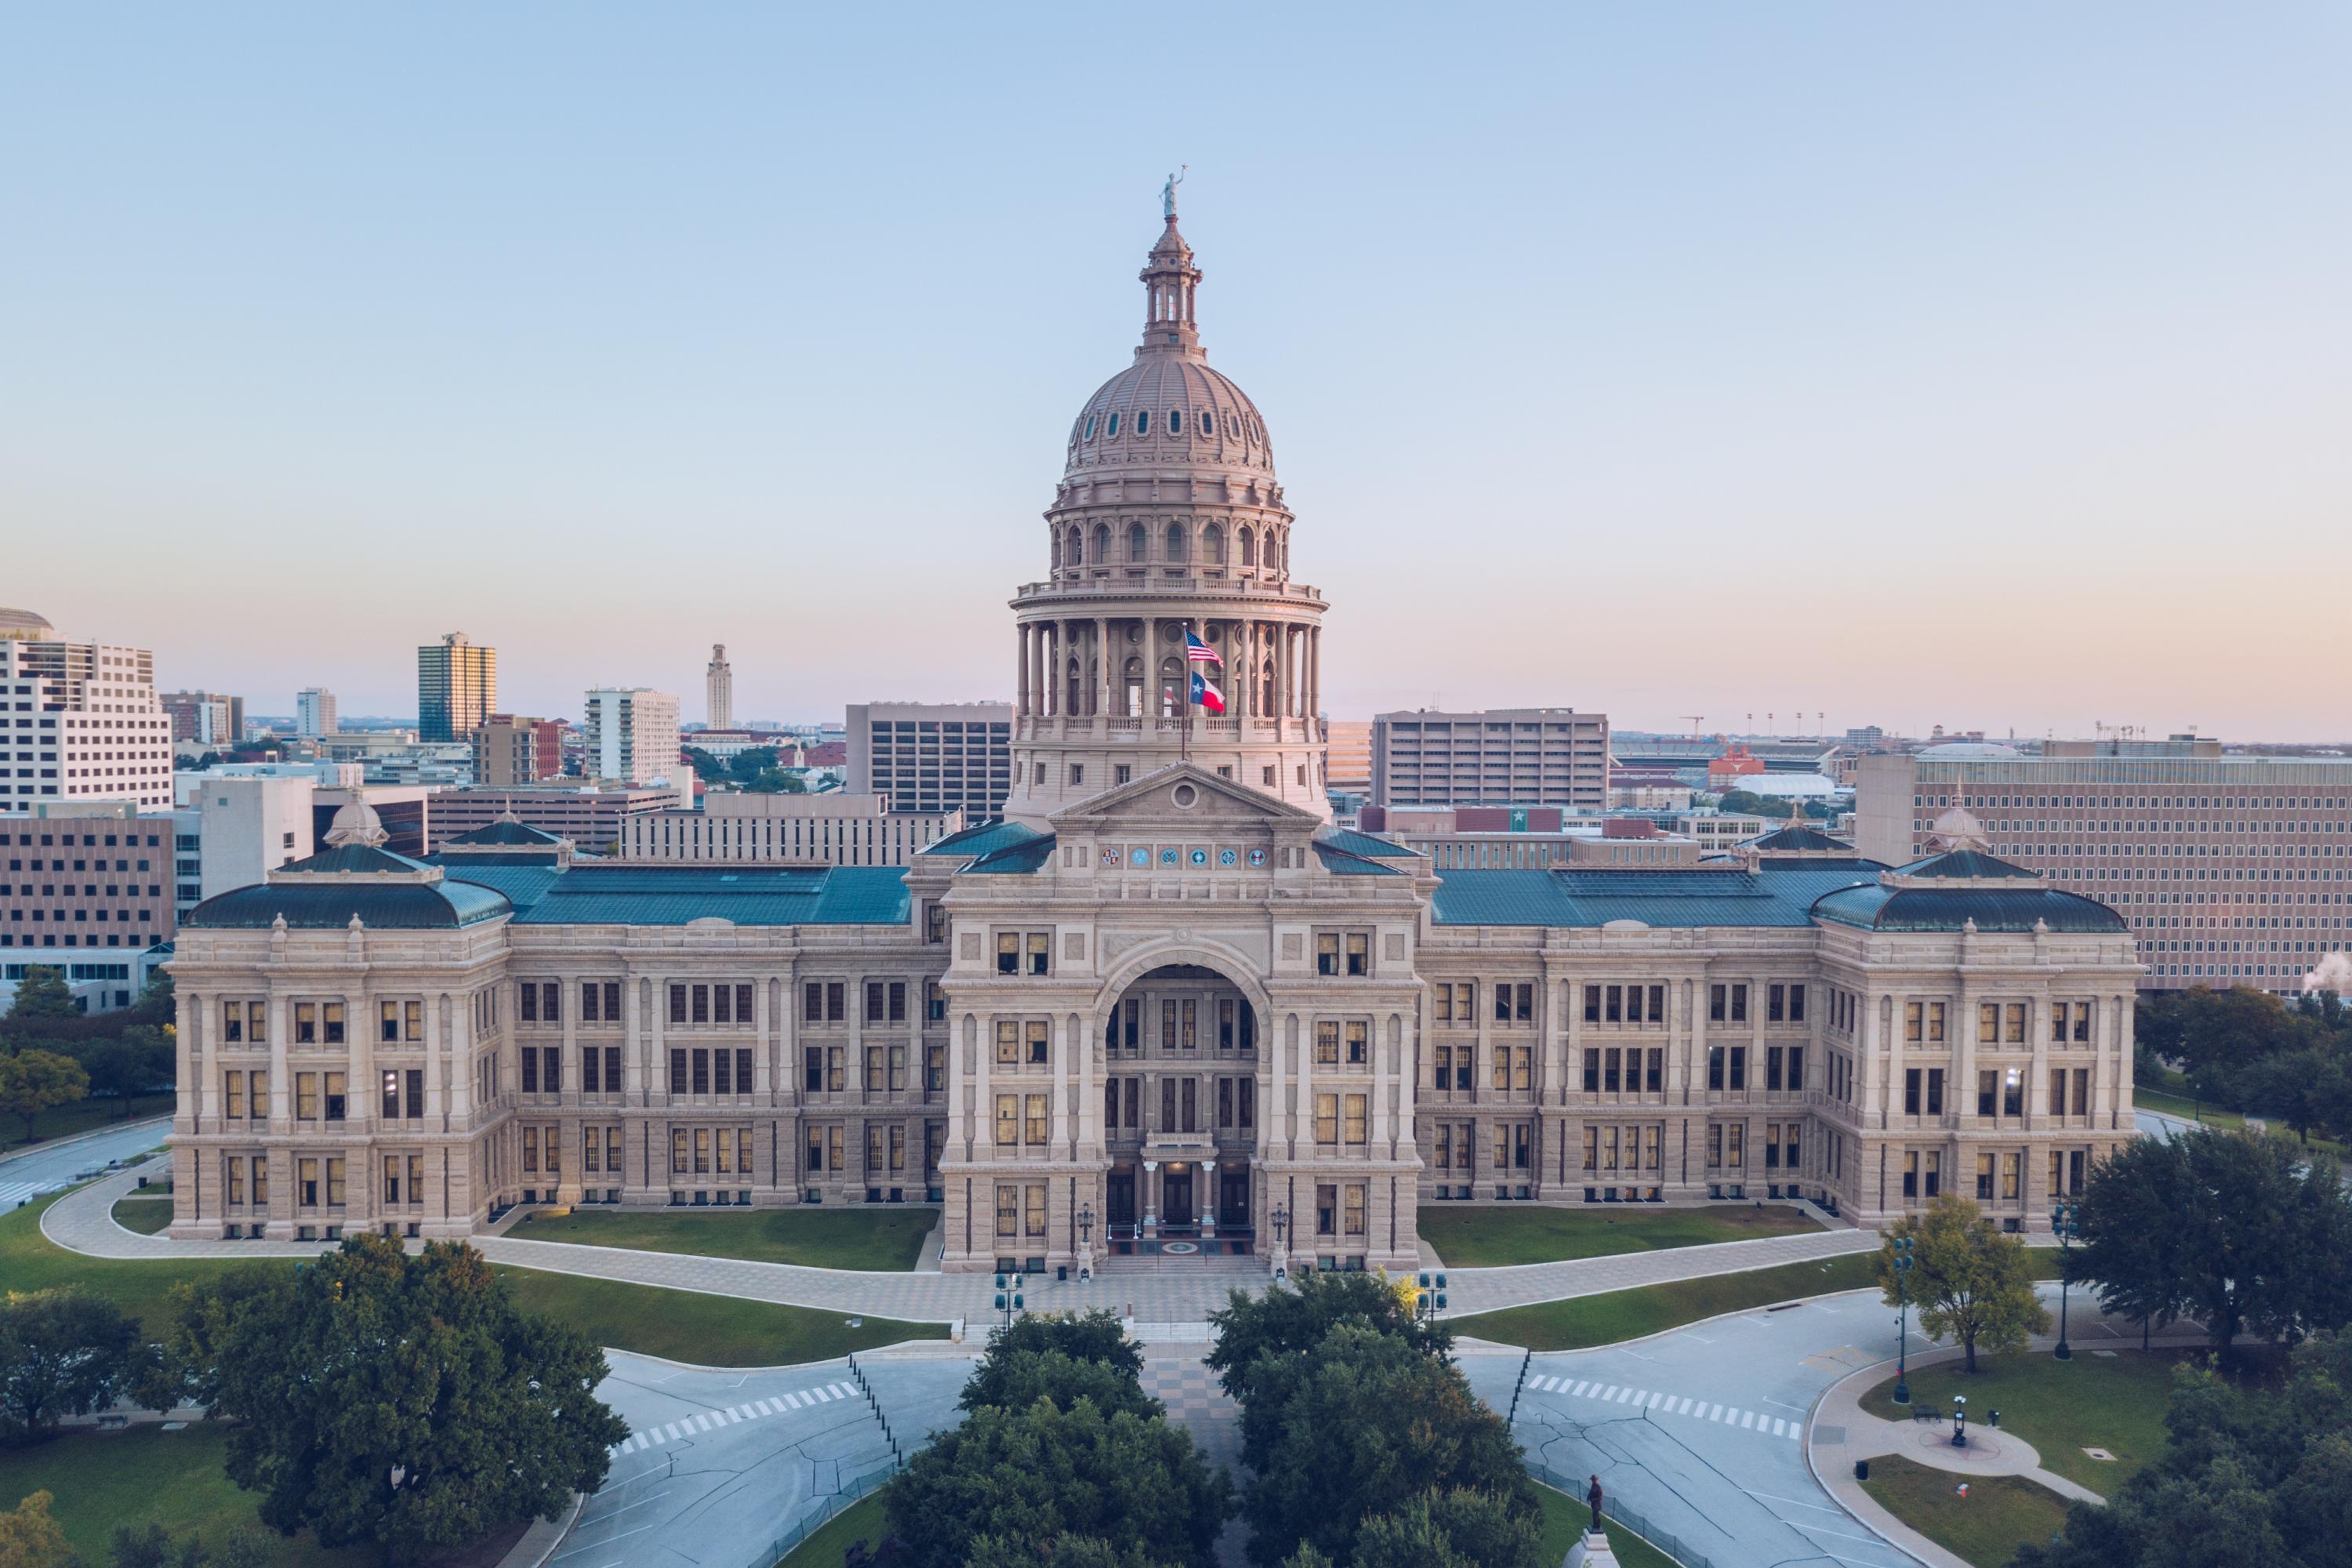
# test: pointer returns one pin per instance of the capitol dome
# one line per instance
(1164, 410)
(1168, 409)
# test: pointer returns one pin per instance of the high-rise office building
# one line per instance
(719, 697)
(314, 713)
(510, 749)
(456, 688)
(933, 757)
(204, 718)
(87, 724)
(2231, 870)
(1509, 756)
(630, 735)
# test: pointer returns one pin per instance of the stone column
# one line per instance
(281, 1079)
(199, 1072)
(1154, 707)
(1103, 705)
(1021, 675)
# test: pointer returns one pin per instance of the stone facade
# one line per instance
(1159, 1005)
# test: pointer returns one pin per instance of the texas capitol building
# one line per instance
(1161, 1004)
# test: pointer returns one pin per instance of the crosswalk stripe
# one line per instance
(1581, 1387)
(1780, 1427)
(1714, 1412)
(1686, 1406)
(841, 1389)
(791, 1402)
(1747, 1420)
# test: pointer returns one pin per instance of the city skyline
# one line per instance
(2009, 371)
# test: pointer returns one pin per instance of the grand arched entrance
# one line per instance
(1180, 1073)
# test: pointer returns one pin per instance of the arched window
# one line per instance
(1267, 700)
(1248, 542)
(1212, 545)
(1077, 546)
(1175, 422)
(1137, 546)
(1114, 422)
(1078, 689)
(1207, 423)
(1131, 688)
(1091, 426)
(1176, 550)
(1054, 549)
(1102, 545)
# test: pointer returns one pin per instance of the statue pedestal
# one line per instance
(1590, 1551)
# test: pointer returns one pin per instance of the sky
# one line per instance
(1985, 367)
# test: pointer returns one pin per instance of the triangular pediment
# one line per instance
(1178, 796)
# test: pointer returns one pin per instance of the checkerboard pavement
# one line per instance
(1189, 1389)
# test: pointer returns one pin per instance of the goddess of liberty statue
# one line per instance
(1168, 191)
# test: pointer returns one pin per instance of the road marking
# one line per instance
(1783, 1403)
(1581, 1386)
(1748, 1421)
(791, 1402)
(841, 1389)
(1840, 1534)
(1686, 1409)
(1795, 1503)
(1780, 1427)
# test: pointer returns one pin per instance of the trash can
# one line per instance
(1061, 1271)
(1862, 1470)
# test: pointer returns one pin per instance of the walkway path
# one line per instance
(82, 1221)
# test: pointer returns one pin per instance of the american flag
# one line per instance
(1198, 651)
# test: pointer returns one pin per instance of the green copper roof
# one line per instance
(1800, 838)
(1775, 896)
(1996, 909)
(1344, 863)
(983, 840)
(596, 894)
(1019, 860)
(326, 906)
(1356, 843)
(1974, 865)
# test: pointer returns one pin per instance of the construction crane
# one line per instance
(1696, 719)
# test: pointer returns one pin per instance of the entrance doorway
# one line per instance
(1176, 1196)
(1118, 1195)
(1234, 1200)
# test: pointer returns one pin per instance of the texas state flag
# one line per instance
(1207, 695)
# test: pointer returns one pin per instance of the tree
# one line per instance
(1363, 1419)
(154, 1548)
(706, 768)
(1097, 1337)
(43, 993)
(1019, 1378)
(2131, 1240)
(1460, 1529)
(35, 1081)
(751, 762)
(1287, 1323)
(775, 781)
(396, 1399)
(29, 1537)
(1068, 1551)
(138, 1060)
(1970, 1282)
(1133, 1487)
(2250, 1475)
(61, 1354)
(2298, 1086)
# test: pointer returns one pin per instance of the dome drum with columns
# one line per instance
(1168, 519)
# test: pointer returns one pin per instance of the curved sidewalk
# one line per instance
(82, 1221)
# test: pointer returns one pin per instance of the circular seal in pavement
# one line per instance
(1181, 1248)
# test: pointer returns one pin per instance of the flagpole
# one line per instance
(1184, 736)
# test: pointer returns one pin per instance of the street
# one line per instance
(27, 1175)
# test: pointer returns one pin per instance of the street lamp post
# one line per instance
(1430, 1300)
(2061, 1220)
(1280, 1219)
(1086, 1242)
(1902, 1320)
(1009, 1299)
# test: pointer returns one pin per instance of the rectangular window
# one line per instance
(1796, 1068)
(233, 1088)
(723, 1004)
(1008, 1042)
(306, 1097)
(677, 1003)
(1033, 1118)
(306, 1022)
(1934, 1091)
(1033, 1211)
(2012, 1092)
(1359, 953)
(529, 1071)
(1041, 952)
(1657, 1075)
(1327, 1042)
(676, 1071)
(1008, 1120)
(589, 1077)
(1354, 1217)
(1591, 1070)
(722, 1070)
(1772, 1069)
(1911, 1174)
(1008, 1209)
(1984, 1178)
(1327, 1207)
(412, 1089)
(1327, 952)
(1327, 1118)
(1359, 1044)
(1910, 1091)
(1357, 1122)
(1225, 1024)
(1008, 952)
(1988, 1091)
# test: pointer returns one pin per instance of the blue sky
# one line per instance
(1986, 367)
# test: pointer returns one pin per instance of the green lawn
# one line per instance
(146, 1475)
(885, 1236)
(861, 1520)
(1477, 1237)
(81, 1116)
(2062, 1407)
(2000, 1514)
(148, 1216)
(707, 1331)
(711, 1330)
(1584, 1322)
(2175, 1101)
(1564, 1521)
